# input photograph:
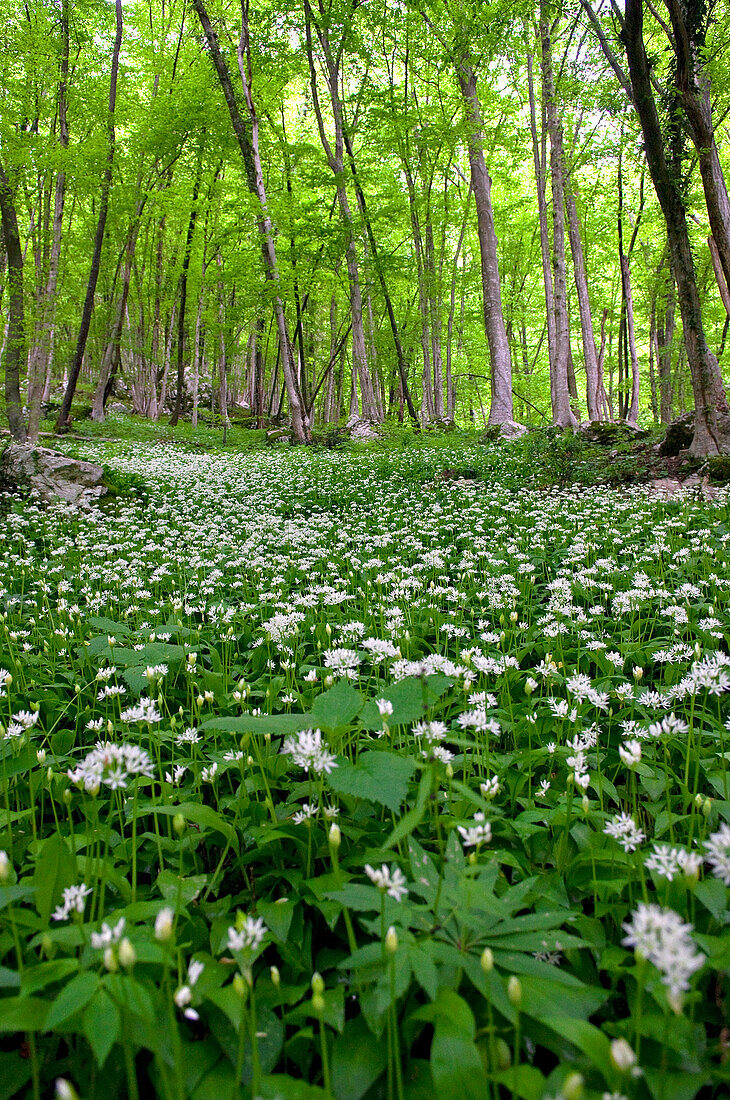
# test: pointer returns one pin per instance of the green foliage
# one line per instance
(339, 716)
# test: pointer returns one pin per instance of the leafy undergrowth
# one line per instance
(325, 776)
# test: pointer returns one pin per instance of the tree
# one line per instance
(63, 420)
(247, 135)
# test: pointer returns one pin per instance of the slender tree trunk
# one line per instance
(335, 159)
(501, 409)
(41, 356)
(712, 417)
(183, 294)
(14, 350)
(547, 275)
(247, 135)
(584, 304)
(633, 408)
(694, 89)
(63, 421)
(559, 390)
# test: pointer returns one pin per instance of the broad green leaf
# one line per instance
(102, 1025)
(55, 869)
(22, 1014)
(358, 1060)
(204, 816)
(380, 777)
(456, 1065)
(413, 818)
(336, 707)
(411, 698)
(73, 997)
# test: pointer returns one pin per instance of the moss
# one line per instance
(718, 467)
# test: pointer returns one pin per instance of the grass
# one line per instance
(325, 776)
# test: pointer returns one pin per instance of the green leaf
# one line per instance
(277, 916)
(22, 1014)
(411, 698)
(55, 869)
(102, 1025)
(456, 1065)
(204, 816)
(380, 777)
(276, 724)
(172, 887)
(523, 1081)
(358, 1060)
(336, 707)
(73, 997)
(46, 973)
(587, 1038)
(413, 818)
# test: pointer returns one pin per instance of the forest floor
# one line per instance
(398, 770)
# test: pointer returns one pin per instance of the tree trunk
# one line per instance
(63, 421)
(41, 357)
(547, 275)
(501, 409)
(183, 294)
(590, 356)
(248, 143)
(336, 160)
(559, 390)
(14, 349)
(712, 417)
(693, 86)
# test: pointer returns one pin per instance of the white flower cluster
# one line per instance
(249, 936)
(479, 832)
(661, 936)
(309, 751)
(624, 829)
(73, 901)
(717, 846)
(111, 764)
(390, 880)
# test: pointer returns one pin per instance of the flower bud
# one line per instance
(623, 1057)
(67, 796)
(275, 976)
(239, 986)
(317, 983)
(391, 941)
(164, 924)
(65, 1090)
(5, 867)
(573, 1086)
(179, 824)
(110, 959)
(514, 990)
(318, 1004)
(335, 836)
(502, 1053)
(127, 954)
(487, 960)
(586, 803)
(41, 756)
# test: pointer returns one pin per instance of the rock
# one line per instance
(361, 429)
(278, 437)
(117, 409)
(440, 424)
(610, 433)
(718, 467)
(679, 435)
(498, 433)
(671, 488)
(52, 476)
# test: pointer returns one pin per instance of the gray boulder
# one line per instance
(52, 476)
(361, 429)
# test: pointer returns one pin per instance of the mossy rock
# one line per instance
(718, 468)
(611, 433)
(679, 435)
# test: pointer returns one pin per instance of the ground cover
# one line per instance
(325, 775)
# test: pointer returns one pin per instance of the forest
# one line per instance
(307, 212)
(364, 550)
